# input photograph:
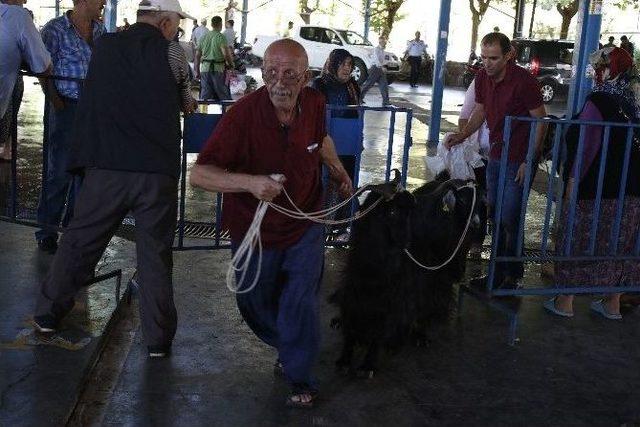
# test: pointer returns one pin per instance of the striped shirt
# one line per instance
(180, 70)
(70, 53)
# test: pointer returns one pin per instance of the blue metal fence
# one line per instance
(347, 134)
(547, 247)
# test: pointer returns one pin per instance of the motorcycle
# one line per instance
(470, 71)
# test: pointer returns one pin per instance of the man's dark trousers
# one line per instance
(414, 62)
(105, 198)
(60, 186)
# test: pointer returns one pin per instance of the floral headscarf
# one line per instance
(614, 74)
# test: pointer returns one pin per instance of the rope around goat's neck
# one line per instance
(464, 234)
(241, 259)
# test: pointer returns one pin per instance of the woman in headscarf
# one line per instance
(337, 84)
(614, 99)
(340, 88)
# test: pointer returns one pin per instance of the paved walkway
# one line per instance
(40, 377)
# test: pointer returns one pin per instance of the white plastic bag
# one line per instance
(237, 85)
(459, 161)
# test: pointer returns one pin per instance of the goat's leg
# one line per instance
(343, 364)
(368, 367)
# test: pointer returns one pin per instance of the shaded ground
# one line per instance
(41, 376)
(577, 372)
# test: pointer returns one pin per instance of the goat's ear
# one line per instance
(449, 201)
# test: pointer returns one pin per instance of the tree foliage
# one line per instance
(384, 13)
(478, 9)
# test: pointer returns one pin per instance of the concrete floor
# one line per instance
(41, 376)
(583, 371)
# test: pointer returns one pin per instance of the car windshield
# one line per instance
(353, 38)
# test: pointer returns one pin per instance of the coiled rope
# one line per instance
(241, 260)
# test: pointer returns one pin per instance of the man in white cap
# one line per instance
(126, 142)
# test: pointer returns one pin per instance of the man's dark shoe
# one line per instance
(45, 324)
(158, 351)
(48, 244)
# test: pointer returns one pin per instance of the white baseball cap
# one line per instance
(164, 6)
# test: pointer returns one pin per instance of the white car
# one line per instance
(320, 41)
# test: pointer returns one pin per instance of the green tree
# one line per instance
(384, 13)
(478, 9)
(305, 10)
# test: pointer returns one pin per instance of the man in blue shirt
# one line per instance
(69, 38)
(19, 42)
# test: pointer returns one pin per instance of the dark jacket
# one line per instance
(612, 111)
(128, 116)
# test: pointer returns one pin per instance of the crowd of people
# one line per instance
(117, 137)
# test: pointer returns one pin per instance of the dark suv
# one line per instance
(549, 61)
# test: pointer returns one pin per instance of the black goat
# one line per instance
(387, 298)
(375, 302)
(443, 211)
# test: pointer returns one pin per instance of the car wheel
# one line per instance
(548, 90)
(359, 72)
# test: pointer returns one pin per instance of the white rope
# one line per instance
(464, 234)
(242, 257)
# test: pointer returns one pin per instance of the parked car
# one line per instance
(319, 41)
(549, 61)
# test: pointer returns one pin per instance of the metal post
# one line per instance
(57, 8)
(243, 28)
(519, 22)
(589, 21)
(367, 19)
(438, 73)
(111, 15)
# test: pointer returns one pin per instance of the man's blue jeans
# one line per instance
(509, 218)
(60, 186)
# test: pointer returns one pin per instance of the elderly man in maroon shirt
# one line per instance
(279, 129)
(505, 89)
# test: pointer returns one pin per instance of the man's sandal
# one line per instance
(302, 399)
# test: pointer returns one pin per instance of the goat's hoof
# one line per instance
(365, 373)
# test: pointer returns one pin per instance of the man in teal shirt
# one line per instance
(211, 57)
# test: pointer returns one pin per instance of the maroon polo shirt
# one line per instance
(516, 95)
(250, 139)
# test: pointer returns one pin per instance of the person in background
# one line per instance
(481, 137)
(613, 99)
(288, 30)
(69, 39)
(278, 129)
(126, 24)
(198, 32)
(230, 34)
(505, 89)
(20, 43)
(415, 49)
(377, 73)
(340, 88)
(626, 45)
(127, 144)
(611, 42)
(211, 58)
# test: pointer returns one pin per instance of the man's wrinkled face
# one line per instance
(493, 59)
(285, 73)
